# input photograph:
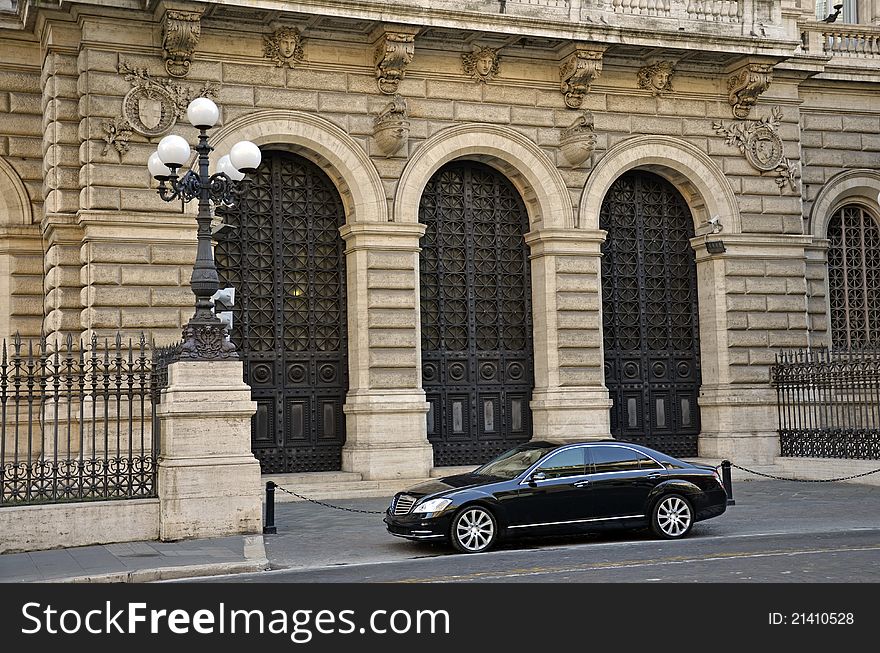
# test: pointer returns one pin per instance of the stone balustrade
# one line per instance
(726, 11)
(852, 47)
(852, 41)
(684, 18)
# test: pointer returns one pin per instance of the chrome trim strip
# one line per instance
(416, 537)
(577, 521)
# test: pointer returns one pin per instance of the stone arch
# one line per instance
(707, 193)
(15, 206)
(318, 139)
(527, 166)
(860, 186)
(702, 183)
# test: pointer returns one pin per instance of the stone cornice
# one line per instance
(682, 34)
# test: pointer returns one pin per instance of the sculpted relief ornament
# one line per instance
(745, 86)
(151, 108)
(391, 127)
(657, 77)
(577, 73)
(759, 141)
(578, 141)
(481, 64)
(284, 47)
(180, 35)
(393, 54)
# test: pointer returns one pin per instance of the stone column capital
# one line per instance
(382, 235)
(565, 242)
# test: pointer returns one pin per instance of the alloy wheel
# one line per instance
(673, 517)
(473, 530)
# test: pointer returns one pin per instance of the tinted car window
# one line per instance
(512, 463)
(613, 459)
(570, 462)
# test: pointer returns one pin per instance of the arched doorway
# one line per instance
(650, 314)
(476, 315)
(284, 256)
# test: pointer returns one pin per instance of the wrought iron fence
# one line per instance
(76, 421)
(828, 402)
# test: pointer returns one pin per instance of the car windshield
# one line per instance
(512, 463)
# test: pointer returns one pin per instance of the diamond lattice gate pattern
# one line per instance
(477, 367)
(285, 258)
(649, 312)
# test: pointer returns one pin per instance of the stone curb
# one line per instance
(169, 573)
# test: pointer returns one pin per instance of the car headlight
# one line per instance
(434, 505)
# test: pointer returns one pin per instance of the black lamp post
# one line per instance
(204, 336)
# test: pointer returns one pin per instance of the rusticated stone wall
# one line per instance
(100, 252)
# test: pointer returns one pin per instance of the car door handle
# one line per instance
(582, 484)
(654, 477)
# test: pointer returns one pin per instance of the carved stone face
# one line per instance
(485, 62)
(660, 79)
(287, 45)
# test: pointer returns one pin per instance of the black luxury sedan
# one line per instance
(548, 488)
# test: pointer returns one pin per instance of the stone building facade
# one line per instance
(476, 222)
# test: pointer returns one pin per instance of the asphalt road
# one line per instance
(777, 532)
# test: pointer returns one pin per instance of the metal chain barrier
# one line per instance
(269, 525)
(329, 505)
(805, 480)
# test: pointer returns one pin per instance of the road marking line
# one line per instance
(537, 571)
(591, 545)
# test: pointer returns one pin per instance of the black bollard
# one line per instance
(269, 527)
(728, 484)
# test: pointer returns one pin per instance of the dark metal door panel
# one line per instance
(650, 314)
(285, 258)
(476, 318)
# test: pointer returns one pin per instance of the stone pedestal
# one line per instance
(571, 415)
(387, 436)
(386, 431)
(739, 424)
(209, 481)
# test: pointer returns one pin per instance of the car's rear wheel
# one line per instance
(672, 517)
(474, 530)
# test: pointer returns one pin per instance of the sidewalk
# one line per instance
(136, 562)
(311, 536)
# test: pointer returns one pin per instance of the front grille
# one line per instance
(403, 504)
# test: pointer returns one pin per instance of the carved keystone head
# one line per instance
(284, 47)
(481, 64)
(657, 77)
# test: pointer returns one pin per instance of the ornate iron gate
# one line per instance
(649, 312)
(854, 278)
(285, 258)
(477, 367)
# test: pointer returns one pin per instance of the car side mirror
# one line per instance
(537, 476)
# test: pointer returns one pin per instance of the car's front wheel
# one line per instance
(672, 517)
(474, 530)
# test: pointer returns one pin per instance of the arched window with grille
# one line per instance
(854, 277)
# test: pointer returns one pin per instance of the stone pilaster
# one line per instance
(753, 304)
(570, 400)
(21, 280)
(209, 481)
(135, 273)
(62, 237)
(385, 407)
(61, 117)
